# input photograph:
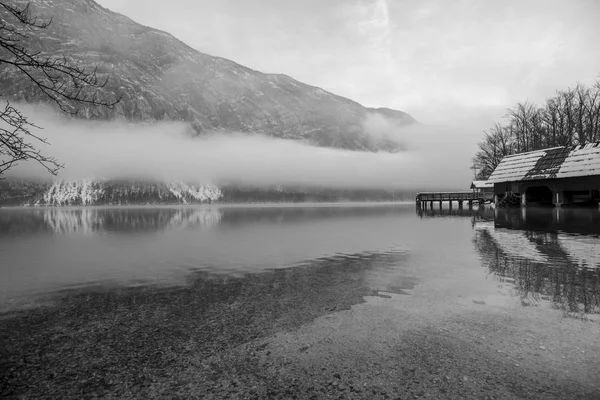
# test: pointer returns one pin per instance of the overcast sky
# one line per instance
(435, 59)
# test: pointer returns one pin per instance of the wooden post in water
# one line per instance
(460, 204)
(431, 204)
(470, 204)
(450, 203)
(440, 204)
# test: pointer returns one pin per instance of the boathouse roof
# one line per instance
(482, 185)
(553, 163)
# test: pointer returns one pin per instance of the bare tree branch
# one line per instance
(16, 142)
(62, 80)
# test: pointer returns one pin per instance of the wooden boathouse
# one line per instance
(482, 186)
(556, 176)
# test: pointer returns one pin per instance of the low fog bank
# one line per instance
(434, 157)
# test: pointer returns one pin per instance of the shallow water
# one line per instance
(544, 256)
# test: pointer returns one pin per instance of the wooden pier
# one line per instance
(459, 197)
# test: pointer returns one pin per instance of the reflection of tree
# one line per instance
(569, 286)
(577, 287)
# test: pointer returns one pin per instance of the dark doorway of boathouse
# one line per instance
(538, 195)
(582, 197)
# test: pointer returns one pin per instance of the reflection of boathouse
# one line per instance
(557, 176)
(534, 252)
(580, 221)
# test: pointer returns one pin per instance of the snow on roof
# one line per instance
(482, 184)
(553, 163)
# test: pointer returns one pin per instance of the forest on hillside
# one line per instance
(570, 117)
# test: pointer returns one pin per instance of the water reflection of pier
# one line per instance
(548, 254)
(486, 213)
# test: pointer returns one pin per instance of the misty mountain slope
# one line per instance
(93, 192)
(162, 78)
(100, 192)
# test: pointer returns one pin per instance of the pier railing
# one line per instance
(460, 197)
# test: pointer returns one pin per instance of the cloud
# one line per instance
(165, 151)
(379, 127)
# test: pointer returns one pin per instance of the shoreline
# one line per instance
(316, 331)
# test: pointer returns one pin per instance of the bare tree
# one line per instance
(63, 81)
(571, 117)
(593, 112)
(550, 117)
(497, 144)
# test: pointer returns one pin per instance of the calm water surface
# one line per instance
(544, 257)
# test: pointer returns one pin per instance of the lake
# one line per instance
(218, 278)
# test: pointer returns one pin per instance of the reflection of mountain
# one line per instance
(540, 264)
(281, 215)
(131, 219)
(42, 250)
(89, 220)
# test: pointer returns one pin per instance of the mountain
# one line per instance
(162, 78)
